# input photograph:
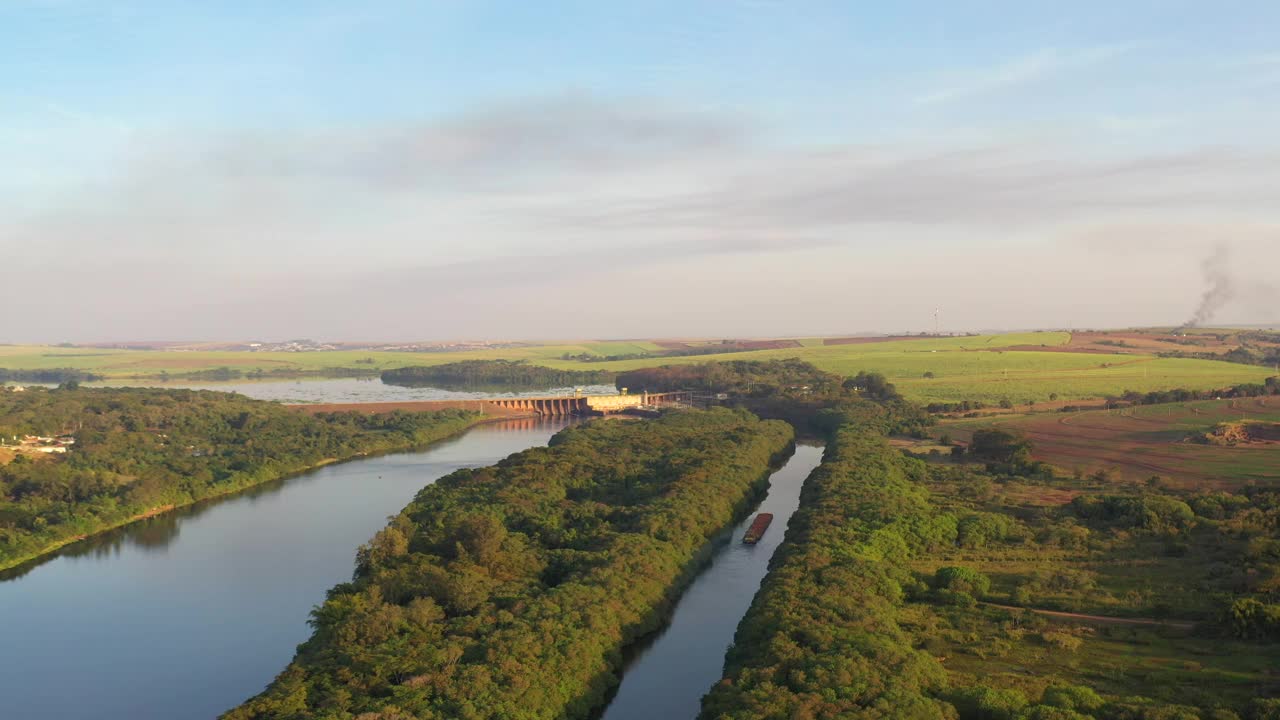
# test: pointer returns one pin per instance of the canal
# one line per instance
(668, 677)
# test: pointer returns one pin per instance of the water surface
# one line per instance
(347, 390)
(668, 678)
(188, 614)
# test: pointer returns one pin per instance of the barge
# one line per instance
(758, 526)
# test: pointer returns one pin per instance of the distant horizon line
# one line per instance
(674, 338)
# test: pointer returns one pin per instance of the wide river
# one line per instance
(190, 613)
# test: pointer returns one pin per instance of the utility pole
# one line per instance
(937, 312)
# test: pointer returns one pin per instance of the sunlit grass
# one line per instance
(963, 368)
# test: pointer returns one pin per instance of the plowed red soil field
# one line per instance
(1138, 442)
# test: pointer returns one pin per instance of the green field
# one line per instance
(963, 368)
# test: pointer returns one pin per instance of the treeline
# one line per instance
(139, 449)
(222, 374)
(1245, 354)
(47, 375)
(511, 591)
(1270, 387)
(793, 390)
(744, 378)
(494, 372)
(724, 346)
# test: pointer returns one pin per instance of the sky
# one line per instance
(393, 170)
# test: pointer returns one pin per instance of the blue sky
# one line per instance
(790, 167)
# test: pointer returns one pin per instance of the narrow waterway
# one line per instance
(190, 613)
(668, 678)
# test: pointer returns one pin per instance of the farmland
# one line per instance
(1135, 443)
(926, 369)
(1116, 581)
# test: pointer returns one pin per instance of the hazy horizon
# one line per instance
(402, 172)
(552, 340)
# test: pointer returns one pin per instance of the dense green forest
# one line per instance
(138, 450)
(494, 373)
(511, 591)
(823, 637)
(746, 378)
(913, 590)
(814, 401)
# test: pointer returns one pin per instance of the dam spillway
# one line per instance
(551, 406)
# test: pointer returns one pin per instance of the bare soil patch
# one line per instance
(1133, 444)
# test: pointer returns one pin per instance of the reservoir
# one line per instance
(348, 390)
(188, 614)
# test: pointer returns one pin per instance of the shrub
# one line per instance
(1265, 709)
(984, 703)
(1061, 640)
(1254, 620)
(962, 579)
(1072, 697)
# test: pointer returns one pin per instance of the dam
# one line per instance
(550, 406)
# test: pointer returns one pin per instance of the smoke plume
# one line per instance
(1217, 275)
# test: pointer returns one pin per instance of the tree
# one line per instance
(1000, 446)
(872, 385)
(962, 579)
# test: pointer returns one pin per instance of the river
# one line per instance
(668, 677)
(188, 614)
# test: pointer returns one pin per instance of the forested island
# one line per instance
(493, 373)
(511, 591)
(140, 451)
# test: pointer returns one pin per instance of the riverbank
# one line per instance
(552, 561)
(207, 603)
(666, 674)
(369, 445)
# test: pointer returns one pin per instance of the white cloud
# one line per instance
(579, 216)
(1017, 72)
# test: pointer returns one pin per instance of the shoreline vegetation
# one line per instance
(514, 590)
(140, 449)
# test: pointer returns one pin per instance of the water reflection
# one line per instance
(157, 533)
(187, 614)
(348, 390)
(667, 677)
